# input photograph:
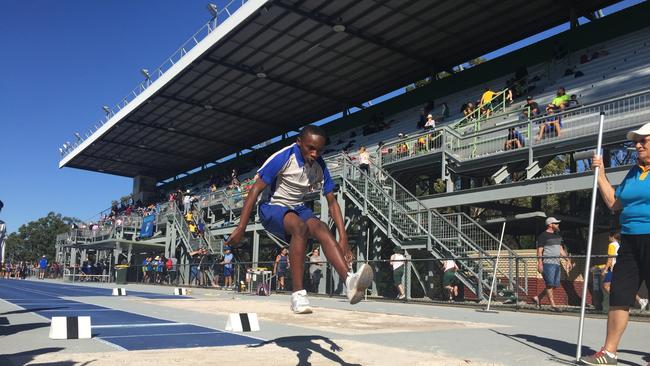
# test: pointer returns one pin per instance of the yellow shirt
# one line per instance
(644, 172)
(487, 97)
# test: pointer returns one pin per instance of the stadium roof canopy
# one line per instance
(274, 66)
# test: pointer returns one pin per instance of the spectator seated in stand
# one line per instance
(551, 126)
(560, 101)
(468, 111)
(514, 140)
(531, 108)
(573, 102)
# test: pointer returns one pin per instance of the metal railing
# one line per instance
(169, 62)
(621, 112)
(483, 111)
(406, 221)
(423, 279)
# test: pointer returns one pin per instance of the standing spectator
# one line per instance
(431, 123)
(170, 270)
(364, 160)
(486, 102)
(549, 253)
(315, 269)
(397, 261)
(612, 252)
(449, 280)
(227, 266)
(233, 178)
(633, 260)
(42, 265)
(145, 273)
(3, 233)
(281, 266)
(187, 202)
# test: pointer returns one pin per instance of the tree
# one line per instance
(37, 238)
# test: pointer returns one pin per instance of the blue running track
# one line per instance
(126, 330)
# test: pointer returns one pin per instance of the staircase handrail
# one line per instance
(466, 119)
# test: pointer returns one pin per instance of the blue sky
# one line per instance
(61, 62)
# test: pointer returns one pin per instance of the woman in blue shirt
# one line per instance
(632, 199)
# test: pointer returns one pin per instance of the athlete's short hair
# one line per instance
(313, 130)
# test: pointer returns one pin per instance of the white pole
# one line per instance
(496, 265)
(594, 196)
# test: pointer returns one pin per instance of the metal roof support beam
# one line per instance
(292, 84)
(122, 161)
(152, 149)
(229, 112)
(186, 134)
(326, 20)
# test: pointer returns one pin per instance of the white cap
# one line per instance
(552, 220)
(641, 132)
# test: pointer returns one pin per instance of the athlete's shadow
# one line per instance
(23, 358)
(32, 310)
(6, 330)
(305, 346)
(564, 348)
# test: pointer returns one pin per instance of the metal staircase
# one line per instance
(410, 225)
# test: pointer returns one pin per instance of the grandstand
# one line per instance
(244, 87)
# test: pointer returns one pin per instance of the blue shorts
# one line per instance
(227, 272)
(272, 217)
(551, 274)
(608, 276)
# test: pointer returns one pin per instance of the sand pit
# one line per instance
(314, 350)
(323, 319)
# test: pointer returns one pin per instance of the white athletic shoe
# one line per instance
(357, 283)
(643, 303)
(300, 302)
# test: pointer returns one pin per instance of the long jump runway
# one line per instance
(124, 330)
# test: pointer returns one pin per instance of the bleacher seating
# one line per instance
(622, 67)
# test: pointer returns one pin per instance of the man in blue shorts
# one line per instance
(227, 266)
(285, 178)
(549, 254)
(42, 266)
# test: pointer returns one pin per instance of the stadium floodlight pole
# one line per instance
(594, 196)
(214, 12)
(147, 76)
(78, 136)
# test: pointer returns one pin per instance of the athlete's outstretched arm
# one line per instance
(238, 233)
(335, 214)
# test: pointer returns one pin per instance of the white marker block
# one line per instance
(119, 292)
(70, 327)
(242, 322)
(181, 291)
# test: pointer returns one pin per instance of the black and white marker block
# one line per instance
(119, 292)
(242, 322)
(181, 291)
(70, 327)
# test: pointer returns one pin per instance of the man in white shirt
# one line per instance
(397, 261)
